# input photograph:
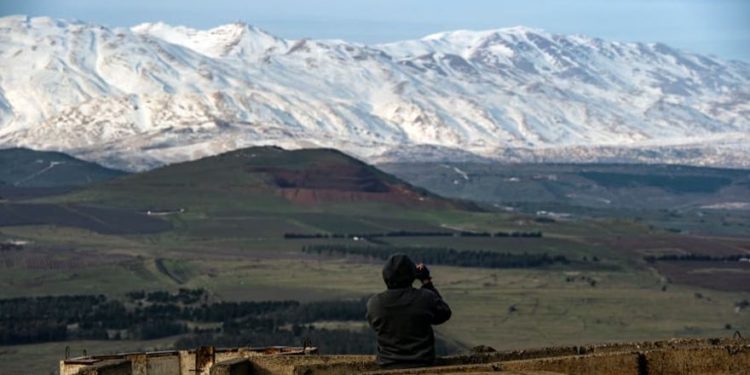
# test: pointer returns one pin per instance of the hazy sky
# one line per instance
(717, 27)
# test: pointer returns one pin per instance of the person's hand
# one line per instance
(423, 273)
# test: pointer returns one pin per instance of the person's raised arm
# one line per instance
(440, 310)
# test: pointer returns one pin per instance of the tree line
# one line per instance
(404, 233)
(443, 256)
(148, 315)
(183, 295)
(696, 258)
(10, 246)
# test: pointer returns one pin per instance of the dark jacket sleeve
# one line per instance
(441, 312)
(370, 315)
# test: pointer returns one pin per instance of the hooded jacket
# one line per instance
(402, 316)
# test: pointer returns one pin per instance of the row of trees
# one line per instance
(403, 233)
(443, 256)
(183, 295)
(697, 258)
(42, 319)
(10, 246)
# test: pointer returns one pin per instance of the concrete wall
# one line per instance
(109, 367)
(239, 366)
(313, 364)
(163, 365)
(70, 368)
(728, 359)
(597, 364)
(674, 357)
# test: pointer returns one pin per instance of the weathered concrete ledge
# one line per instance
(239, 366)
(673, 357)
(109, 367)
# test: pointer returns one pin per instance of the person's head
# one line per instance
(399, 271)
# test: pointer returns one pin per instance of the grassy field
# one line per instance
(506, 309)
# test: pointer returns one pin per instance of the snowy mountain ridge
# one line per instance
(156, 94)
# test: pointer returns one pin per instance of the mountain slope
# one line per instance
(154, 94)
(603, 186)
(27, 168)
(263, 179)
(258, 192)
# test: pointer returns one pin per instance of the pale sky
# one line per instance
(714, 27)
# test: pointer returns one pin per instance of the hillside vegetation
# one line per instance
(21, 167)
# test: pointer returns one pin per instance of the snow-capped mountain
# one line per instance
(154, 94)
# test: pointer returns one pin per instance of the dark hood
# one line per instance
(399, 271)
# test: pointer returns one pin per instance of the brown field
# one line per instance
(653, 244)
(727, 276)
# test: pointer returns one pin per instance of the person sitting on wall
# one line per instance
(402, 316)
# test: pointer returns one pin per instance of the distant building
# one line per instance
(164, 212)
